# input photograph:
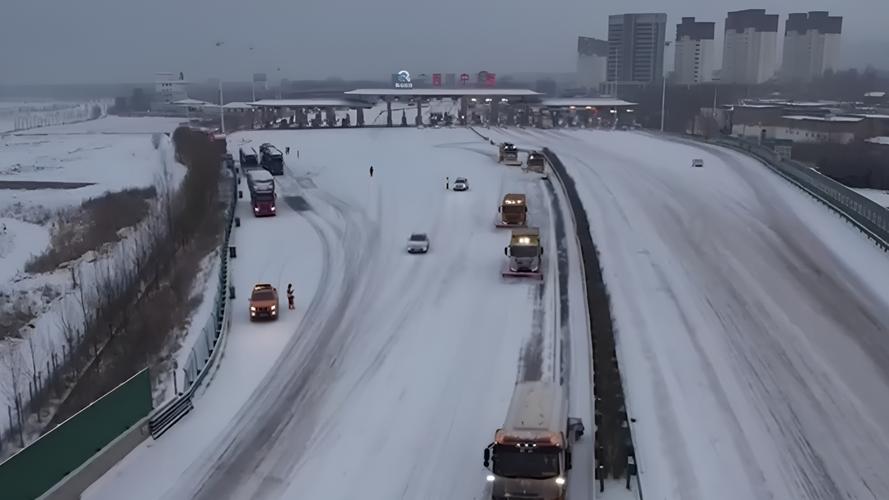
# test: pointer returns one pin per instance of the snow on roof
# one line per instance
(260, 174)
(587, 101)
(193, 102)
(874, 116)
(875, 94)
(878, 140)
(847, 119)
(320, 102)
(445, 92)
(238, 105)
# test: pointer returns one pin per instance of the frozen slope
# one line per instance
(752, 322)
(395, 381)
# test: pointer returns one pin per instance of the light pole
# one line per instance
(663, 93)
(221, 110)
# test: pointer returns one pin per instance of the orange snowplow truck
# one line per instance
(263, 302)
(513, 211)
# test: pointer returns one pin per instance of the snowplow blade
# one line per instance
(513, 163)
(502, 225)
(535, 275)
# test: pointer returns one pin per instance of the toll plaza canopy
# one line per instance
(311, 102)
(438, 92)
(587, 102)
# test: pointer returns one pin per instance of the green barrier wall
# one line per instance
(37, 468)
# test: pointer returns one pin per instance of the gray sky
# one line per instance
(59, 41)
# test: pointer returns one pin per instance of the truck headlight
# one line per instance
(252, 309)
(489, 478)
(560, 481)
(273, 208)
(256, 209)
(274, 307)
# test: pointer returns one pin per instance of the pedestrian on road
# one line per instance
(371, 170)
(290, 296)
(287, 150)
(447, 183)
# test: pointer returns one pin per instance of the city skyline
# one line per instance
(91, 42)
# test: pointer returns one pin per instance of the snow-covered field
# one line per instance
(113, 125)
(98, 161)
(752, 321)
(395, 370)
(31, 115)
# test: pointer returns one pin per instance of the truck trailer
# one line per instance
(261, 185)
(525, 254)
(531, 454)
(271, 159)
(248, 157)
(513, 211)
(509, 154)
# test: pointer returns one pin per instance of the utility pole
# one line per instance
(663, 93)
(221, 109)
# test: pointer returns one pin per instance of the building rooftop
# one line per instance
(438, 92)
(835, 119)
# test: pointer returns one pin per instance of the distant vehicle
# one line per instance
(509, 154)
(249, 158)
(418, 243)
(271, 159)
(697, 162)
(263, 302)
(536, 162)
(261, 185)
(525, 253)
(513, 210)
(461, 184)
(531, 453)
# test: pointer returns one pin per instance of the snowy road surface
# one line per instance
(752, 325)
(401, 366)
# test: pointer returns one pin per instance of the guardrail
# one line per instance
(614, 450)
(208, 346)
(867, 215)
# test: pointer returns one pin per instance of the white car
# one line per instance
(461, 184)
(418, 243)
(697, 162)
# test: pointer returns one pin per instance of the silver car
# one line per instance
(418, 243)
(461, 184)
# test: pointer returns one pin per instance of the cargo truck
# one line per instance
(248, 157)
(513, 211)
(261, 185)
(531, 454)
(525, 254)
(536, 162)
(509, 154)
(271, 159)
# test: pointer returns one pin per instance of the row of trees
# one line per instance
(119, 318)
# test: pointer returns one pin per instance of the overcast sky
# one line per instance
(94, 41)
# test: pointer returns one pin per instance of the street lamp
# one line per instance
(663, 93)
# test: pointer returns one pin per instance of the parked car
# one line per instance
(461, 184)
(264, 302)
(418, 243)
(697, 162)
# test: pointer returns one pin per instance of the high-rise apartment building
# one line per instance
(750, 52)
(592, 61)
(636, 47)
(811, 45)
(695, 52)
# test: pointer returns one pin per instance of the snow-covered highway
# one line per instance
(752, 322)
(397, 369)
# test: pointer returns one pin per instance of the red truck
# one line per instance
(262, 192)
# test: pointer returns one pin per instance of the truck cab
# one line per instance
(536, 162)
(509, 154)
(513, 210)
(525, 253)
(531, 454)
